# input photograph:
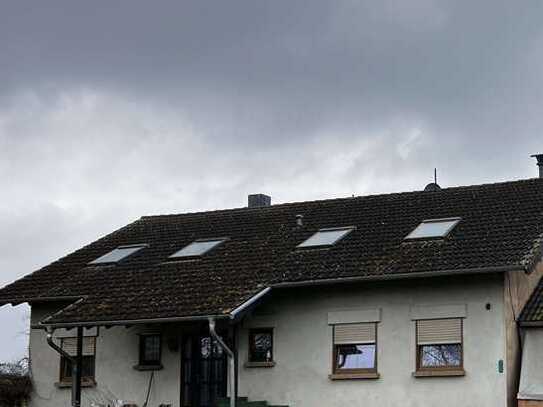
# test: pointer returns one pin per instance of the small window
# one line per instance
(439, 344)
(118, 254)
(197, 248)
(326, 237)
(69, 345)
(433, 228)
(261, 345)
(355, 348)
(150, 350)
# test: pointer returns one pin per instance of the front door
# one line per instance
(204, 371)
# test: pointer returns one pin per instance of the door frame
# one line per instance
(195, 337)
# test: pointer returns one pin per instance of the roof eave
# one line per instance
(531, 324)
(56, 325)
(251, 302)
(33, 300)
(400, 276)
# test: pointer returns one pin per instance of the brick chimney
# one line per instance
(259, 200)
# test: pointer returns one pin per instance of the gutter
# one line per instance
(529, 324)
(57, 348)
(231, 360)
(44, 325)
(76, 362)
(249, 302)
(398, 276)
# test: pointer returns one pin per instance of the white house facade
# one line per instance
(412, 299)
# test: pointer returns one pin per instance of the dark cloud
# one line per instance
(113, 110)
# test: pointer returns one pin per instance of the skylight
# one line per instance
(118, 254)
(433, 228)
(197, 248)
(326, 237)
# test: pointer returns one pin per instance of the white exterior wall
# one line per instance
(303, 346)
(303, 351)
(117, 351)
(531, 378)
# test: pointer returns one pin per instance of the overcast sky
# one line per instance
(113, 110)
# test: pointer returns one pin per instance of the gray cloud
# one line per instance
(111, 111)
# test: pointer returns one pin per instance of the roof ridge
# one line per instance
(316, 201)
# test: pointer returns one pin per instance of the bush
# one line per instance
(15, 383)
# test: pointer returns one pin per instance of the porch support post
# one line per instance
(231, 362)
(77, 370)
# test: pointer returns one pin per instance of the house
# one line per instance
(531, 379)
(407, 299)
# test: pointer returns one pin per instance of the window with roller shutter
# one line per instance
(439, 344)
(355, 348)
(69, 345)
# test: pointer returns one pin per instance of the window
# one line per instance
(150, 349)
(89, 355)
(118, 254)
(439, 344)
(261, 345)
(197, 248)
(326, 237)
(433, 228)
(355, 349)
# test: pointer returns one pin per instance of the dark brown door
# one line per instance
(204, 372)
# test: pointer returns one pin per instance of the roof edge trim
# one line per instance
(19, 301)
(249, 302)
(400, 276)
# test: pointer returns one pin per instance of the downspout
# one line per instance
(76, 363)
(231, 362)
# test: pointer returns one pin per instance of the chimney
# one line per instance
(539, 158)
(259, 200)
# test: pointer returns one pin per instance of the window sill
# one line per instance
(354, 376)
(258, 364)
(439, 373)
(145, 368)
(68, 384)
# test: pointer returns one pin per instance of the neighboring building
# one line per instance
(531, 380)
(404, 299)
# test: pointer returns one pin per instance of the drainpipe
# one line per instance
(76, 363)
(231, 364)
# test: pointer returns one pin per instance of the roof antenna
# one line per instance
(433, 186)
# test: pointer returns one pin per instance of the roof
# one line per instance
(533, 310)
(501, 227)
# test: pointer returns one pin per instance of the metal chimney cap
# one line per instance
(538, 157)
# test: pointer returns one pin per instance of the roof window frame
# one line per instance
(140, 246)
(220, 240)
(349, 230)
(455, 220)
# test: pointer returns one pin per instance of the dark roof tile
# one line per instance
(501, 226)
